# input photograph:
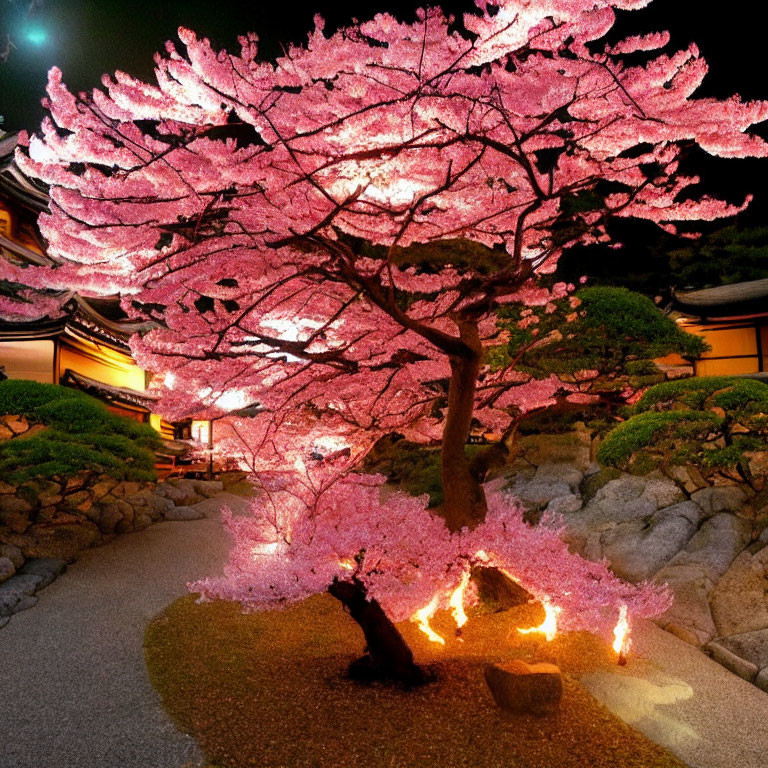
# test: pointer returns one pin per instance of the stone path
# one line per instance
(74, 691)
(686, 702)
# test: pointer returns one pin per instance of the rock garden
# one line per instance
(75, 476)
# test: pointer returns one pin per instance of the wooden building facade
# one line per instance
(733, 319)
(86, 347)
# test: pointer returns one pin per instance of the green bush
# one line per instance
(731, 393)
(82, 434)
(654, 429)
(711, 422)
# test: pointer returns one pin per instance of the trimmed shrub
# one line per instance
(82, 434)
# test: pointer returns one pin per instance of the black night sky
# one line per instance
(86, 38)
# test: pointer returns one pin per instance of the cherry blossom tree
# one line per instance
(333, 233)
(314, 526)
(335, 230)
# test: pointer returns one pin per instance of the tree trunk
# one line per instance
(388, 657)
(464, 497)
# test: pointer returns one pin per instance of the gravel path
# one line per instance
(74, 691)
(681, 699)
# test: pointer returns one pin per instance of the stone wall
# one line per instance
(708, 543)
(58, 519)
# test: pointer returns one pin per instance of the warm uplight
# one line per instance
(621, 640)
(456, 602)
(422, 617)
(549, 626)
(347, 565)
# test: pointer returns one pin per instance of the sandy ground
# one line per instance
(681, 699)
(74, 691)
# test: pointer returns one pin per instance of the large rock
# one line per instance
(520, 687)
(725, 498)
(160, 504)
(750, 646)
(61, 542)
(15, 592)
(573, 448)
(636, 550)
(662, 491)
(595, 480)
(47, 568)
(180, 492)
(103, 487)
(13, 553)
(7, 569)
(689, 617)
(559, 472)
(539, 493)
(13, 505)
(738, 665)
(564, 505)
(739, 601)
(715, 545)
(208, 488)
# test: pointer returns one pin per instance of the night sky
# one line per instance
(86, 38)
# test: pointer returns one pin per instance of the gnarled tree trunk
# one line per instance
(388, 657)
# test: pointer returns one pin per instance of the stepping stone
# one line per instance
(520, 687)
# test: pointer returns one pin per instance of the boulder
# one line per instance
(715, 545)
(688, 477)
(79, 500)
(539, 493)
(724, 498)
(180, 492)
(103, 487)
(160, 504)
(761, 681)
(141, 521)
(732, 661)
(520, 687)
(572, 447)
(13, 505)
(564, 505)
(13, 553)
(739, 601)
(109, 516)
(184, 513)
(636, 550)
(585, 528)
(125, 488)
(594, 480)
(662, 491)
(7, 489)
(128, 514)
(752, 647)
(47, 568)
(208, 488)
(559, 472)
(59, 541)
(689, 616)
(7, 569)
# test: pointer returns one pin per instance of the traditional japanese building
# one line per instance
(733, 319)
(87, 346)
